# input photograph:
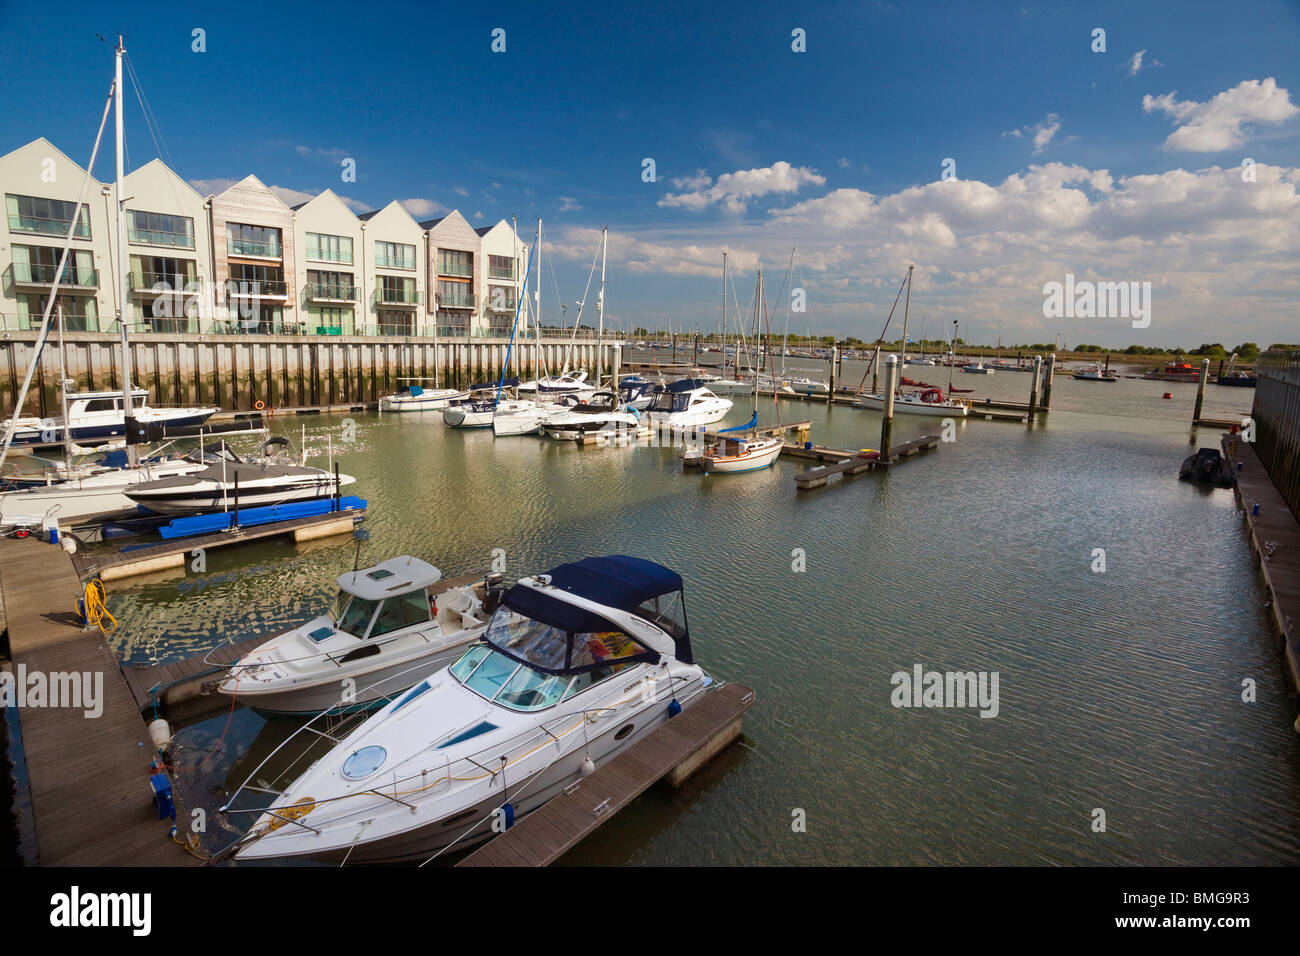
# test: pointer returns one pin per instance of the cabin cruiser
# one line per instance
(602, 412)
(484, 403)
(576, 666)
(271, 480)
(637, 393)
(388, 628)
(101, 489)
(977, 368)
(919, 401)
(95, 415)
(808, 386)
(520, 417)
(416, 398)
(569, 383)
(686, 403)
(1095, 373)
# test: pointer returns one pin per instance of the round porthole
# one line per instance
(624, 731)
(364, 762)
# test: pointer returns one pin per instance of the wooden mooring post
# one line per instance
(1048, 372)
(887, 423)
(1200, 389)
(830, 396)
(1033, 388)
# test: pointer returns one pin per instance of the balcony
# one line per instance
(237, 288)
(48, 227)
(395, 262)
(503, 306)
(253, 247)
(317, 292)
(496, 272)
(407, 297)
(329, 255)
(456, 300)
(42, 275)
(458, 269)
(162, 283)
(152, 237)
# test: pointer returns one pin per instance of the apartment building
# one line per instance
(242, 261)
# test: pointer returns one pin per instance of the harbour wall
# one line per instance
(235, 372)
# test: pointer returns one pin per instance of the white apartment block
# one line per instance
(242, 261)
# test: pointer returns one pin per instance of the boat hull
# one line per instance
(876, 403)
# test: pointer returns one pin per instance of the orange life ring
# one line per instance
(259, 404)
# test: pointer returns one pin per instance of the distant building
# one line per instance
(243, 261)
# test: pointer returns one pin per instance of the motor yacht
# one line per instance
(686, 403)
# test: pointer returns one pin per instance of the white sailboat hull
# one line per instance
(905, 406)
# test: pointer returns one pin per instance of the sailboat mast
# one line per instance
(724, 313)
(63, 396)
(907, 304)
(127, 415)
(600, 301)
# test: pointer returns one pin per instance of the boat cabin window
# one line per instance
(584, 680)
(469, 660)
(355, 615)
(532, 690)
(102, 404)
(401, 611)
(606, 647)
(667, 612)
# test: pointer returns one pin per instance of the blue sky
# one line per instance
(835, 151)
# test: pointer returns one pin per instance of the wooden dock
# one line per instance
(178, 684)
(673, 752)
(1275, 537)
(850, 463)
(174, 553)
(88, 776)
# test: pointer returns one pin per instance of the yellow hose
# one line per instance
(97, 612)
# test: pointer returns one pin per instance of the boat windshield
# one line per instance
(671, 402)
(353, 614)
(503, 680)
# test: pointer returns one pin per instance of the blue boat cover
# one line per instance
(616, 580)
(416, 390)
(752, 423)
(685, 385)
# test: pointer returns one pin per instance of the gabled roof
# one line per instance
(46, 147)
(327, 195)
(168, 170)
(260, 185)
(367, 216)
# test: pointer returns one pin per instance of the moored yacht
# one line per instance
(98, 415)
(576, 666)
(602, 412)
(687, 402)
(919, 401)
(417, 398)
(388, 628)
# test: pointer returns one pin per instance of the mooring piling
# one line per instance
(1048, 372)
(887, 423)
(1033, 388)
(1200, 389)
(835, 353)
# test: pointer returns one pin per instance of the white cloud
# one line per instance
(843, 162)
(1042, 132)
(461, 191)
(568, 204)
(733, 191)
(1217, 124)
(700, 180)
(1135, 64)
(421, 208)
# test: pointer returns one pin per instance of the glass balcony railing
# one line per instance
(453, 331)
(154, 237)
(37, 273)
(456, 300)
(48, 227)
(502, 305)
(394, 262)
(160, 282)
(330, 255)
(331, 293)
(496, 272)
(256, 288)
(397, 296)
(253, 247)
(446, 268)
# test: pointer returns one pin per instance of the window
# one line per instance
(532, 690)
(500, 298)
(469, 660)
(326, 248)
(102, 405)
(246, 240)
(79, 311)
(50, 217)
(159, 229)
(398, 290)
(330, 285)
(174, 274)
(501, 267)
(394, 255)
(455, 262)
(402, 611)
(249, 279)
(356, 615)
(455, 295)
(329, 321)
(40, 264)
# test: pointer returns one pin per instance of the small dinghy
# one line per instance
(388, 628)
(1208, 467)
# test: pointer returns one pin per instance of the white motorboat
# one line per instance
(921, 401)
(388, 629)
(416, 398)
(103, 491)
(603, 412)
(95, 416)
(687, 403)
(808, 386)
(520, 417)
(977, 368)
(576, 666)
(731, 386)
(1095, 373)
(481, 414)
(574, 383)
(271, 480)
(636, 392)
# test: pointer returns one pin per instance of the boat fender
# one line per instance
(162, 796)
(160, 733)
(636, 413)
(1169, 395)
(508, 811)
(588, 766)
(674, 708)
(259, 404)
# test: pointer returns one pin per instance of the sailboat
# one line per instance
(735, 452)
(417, 398)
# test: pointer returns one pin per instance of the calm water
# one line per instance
(1118, 690)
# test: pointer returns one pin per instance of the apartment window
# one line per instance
(329, 285)
(455, 262)
(149, 271)
(500, 298)
(249, 279)
(453, 323)
(395, 322)
(326, 321)
(326, 248)
(39, 264)
(394, 255)
(501, 267)
(50, 217)
(159, 229)
(247, 240)
(455, 295)
(79, 312)
(397, 290)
